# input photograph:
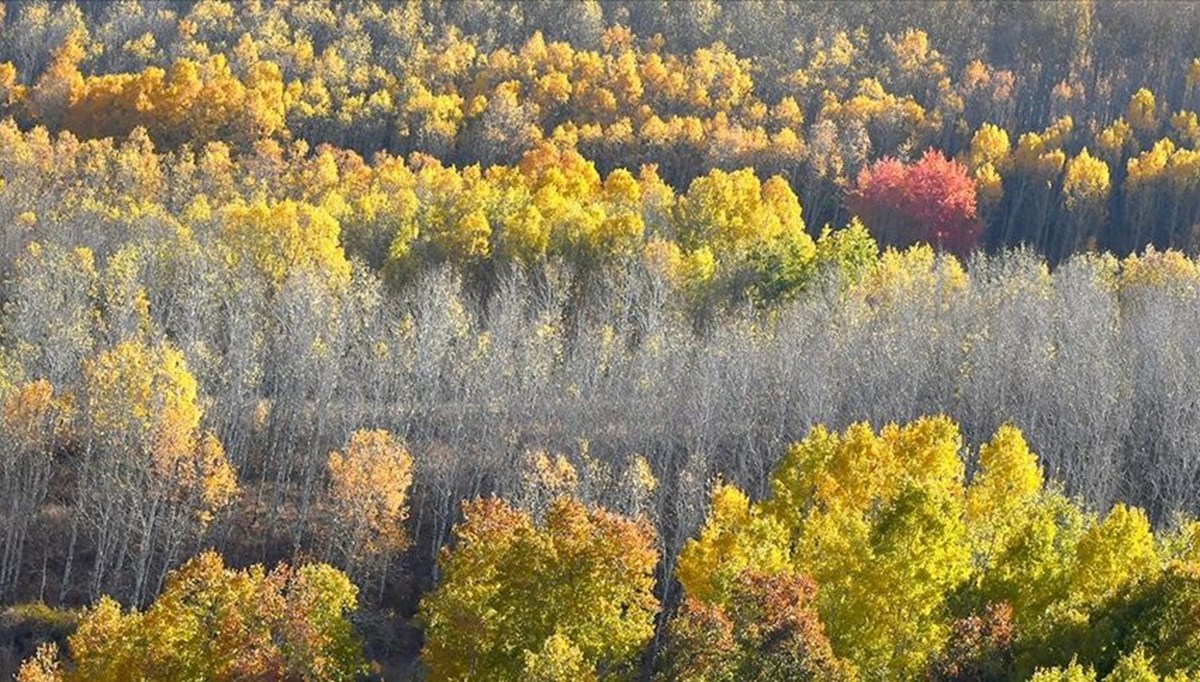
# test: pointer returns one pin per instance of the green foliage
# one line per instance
(517, 598)
(1133, 667)
(216, 623)
(23, 627)
(897, 542)
(199, 201)
(1071, 673)
(1157, 615)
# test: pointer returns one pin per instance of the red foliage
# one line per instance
(980, 648)
(769, 630)
(931, 201)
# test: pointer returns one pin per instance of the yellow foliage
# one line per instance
(736, 536)
(32, 416)
(43, 667)
(1009, 478)
(990, 146)
(216, 623)
(1114, 139)
(368, 493)
(1072, 673)
(1193, 74)
(878, 522)
(1142, 112)
(1113, 553)
(1148, 168)
(1002, 498)
(989, 186)
(509, 600)
(915, 271)
(559, 660)
(280, 238)
(1154, 270)
(1086, 182)
(141, 407)
(1186, 126)
(1039, 157)
(729, 212)
(551, 478)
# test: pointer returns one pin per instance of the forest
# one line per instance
(569, 340)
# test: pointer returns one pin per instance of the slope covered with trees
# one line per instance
(539, 340)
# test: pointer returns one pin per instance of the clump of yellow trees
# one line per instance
(212, 622)
(908, 553)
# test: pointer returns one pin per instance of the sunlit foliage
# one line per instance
(509, 602)
(216, 623)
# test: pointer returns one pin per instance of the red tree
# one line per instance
(931, 201)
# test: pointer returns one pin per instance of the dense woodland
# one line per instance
(620, 340)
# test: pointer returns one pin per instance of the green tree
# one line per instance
(572, 594)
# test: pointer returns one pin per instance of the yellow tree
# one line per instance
(367, 502)
(989, 160)
(1142, 113)
(732, 211)
(737, 537)
(754, 230)
(279, 238)
(517, 598)
(877, 520)
(51, 96)
(1022, 534)
(150, 480)
(1112, 554)
(522, 233)
(383, 213)
(1147, 191)
(1086, 186)
(220, 624)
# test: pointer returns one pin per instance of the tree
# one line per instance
(1022, 535)
(150, 481)
(1142, 112)
(216, 623)
(768, 628)
(279, 238)
(980, 648)
(859, 511)
(866, 510)
(730, 212)
(1072, 673)
(1156, 615)
(59, 84)
(1112, 554)
(931, 201)
(32, 422)
(737, 537)
(367, 502)
(1135, 666)
(754, 231)
(53, 343)
(1086, 186)
(514, 593)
